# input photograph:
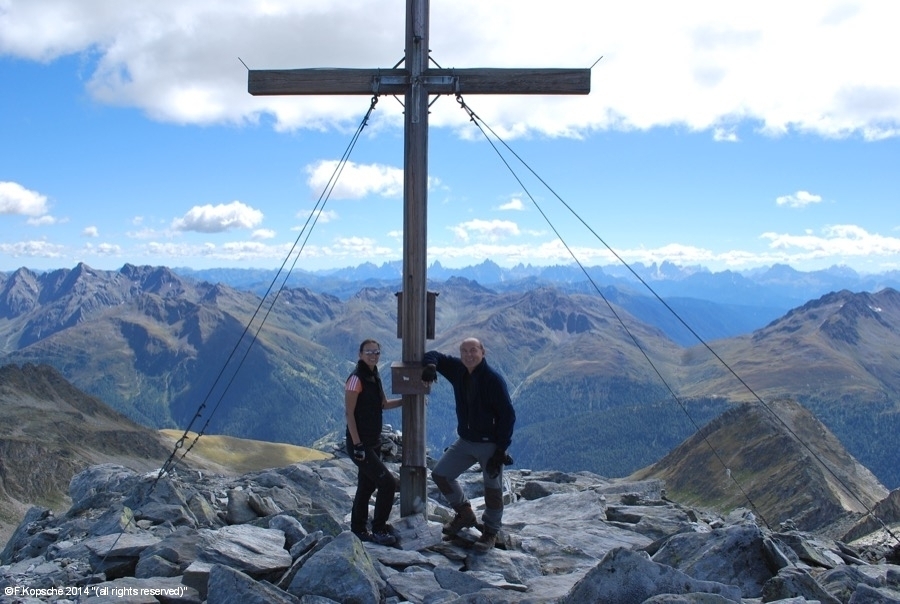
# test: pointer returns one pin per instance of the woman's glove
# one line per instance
(359, 452)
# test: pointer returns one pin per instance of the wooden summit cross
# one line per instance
(416, 81)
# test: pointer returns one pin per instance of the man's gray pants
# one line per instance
(458, 458)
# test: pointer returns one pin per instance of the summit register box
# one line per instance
(406, 378)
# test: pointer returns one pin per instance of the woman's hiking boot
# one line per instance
(381, 537)
(464, 518)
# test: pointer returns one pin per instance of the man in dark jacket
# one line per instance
(485, 419)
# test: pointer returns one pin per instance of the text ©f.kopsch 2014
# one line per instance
(78, 591)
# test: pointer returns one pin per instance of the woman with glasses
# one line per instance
(364, 401)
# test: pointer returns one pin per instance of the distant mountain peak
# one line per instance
(783, 458)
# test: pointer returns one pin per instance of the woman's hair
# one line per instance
(369, 341)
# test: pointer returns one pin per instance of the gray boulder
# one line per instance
(796, 582)
(229, 586)
(629, 577)
(734, 555)
(342, 571)
(244, 547)
(168, 557)
(873, 595)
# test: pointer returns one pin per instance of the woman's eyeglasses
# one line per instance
(371, 352)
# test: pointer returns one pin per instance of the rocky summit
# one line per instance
(280, 535)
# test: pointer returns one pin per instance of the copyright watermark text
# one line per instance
(93, 590)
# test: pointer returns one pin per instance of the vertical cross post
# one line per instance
(415, 237)
(416, 81)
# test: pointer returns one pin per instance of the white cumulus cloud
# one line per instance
(16, 199)
(513, 204)
(799, 199)
(491, 230)
(842, 240)
(218, 218)
(703, 64)
(355, 181)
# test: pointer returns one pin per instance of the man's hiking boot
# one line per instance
(464, 518)
(487, 541)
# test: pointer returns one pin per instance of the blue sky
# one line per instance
(727, 135)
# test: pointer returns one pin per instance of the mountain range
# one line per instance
(604, 376)
(715, 304)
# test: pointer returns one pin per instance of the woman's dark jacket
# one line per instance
(368, 411)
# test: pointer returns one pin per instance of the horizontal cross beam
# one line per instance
(263, 82)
